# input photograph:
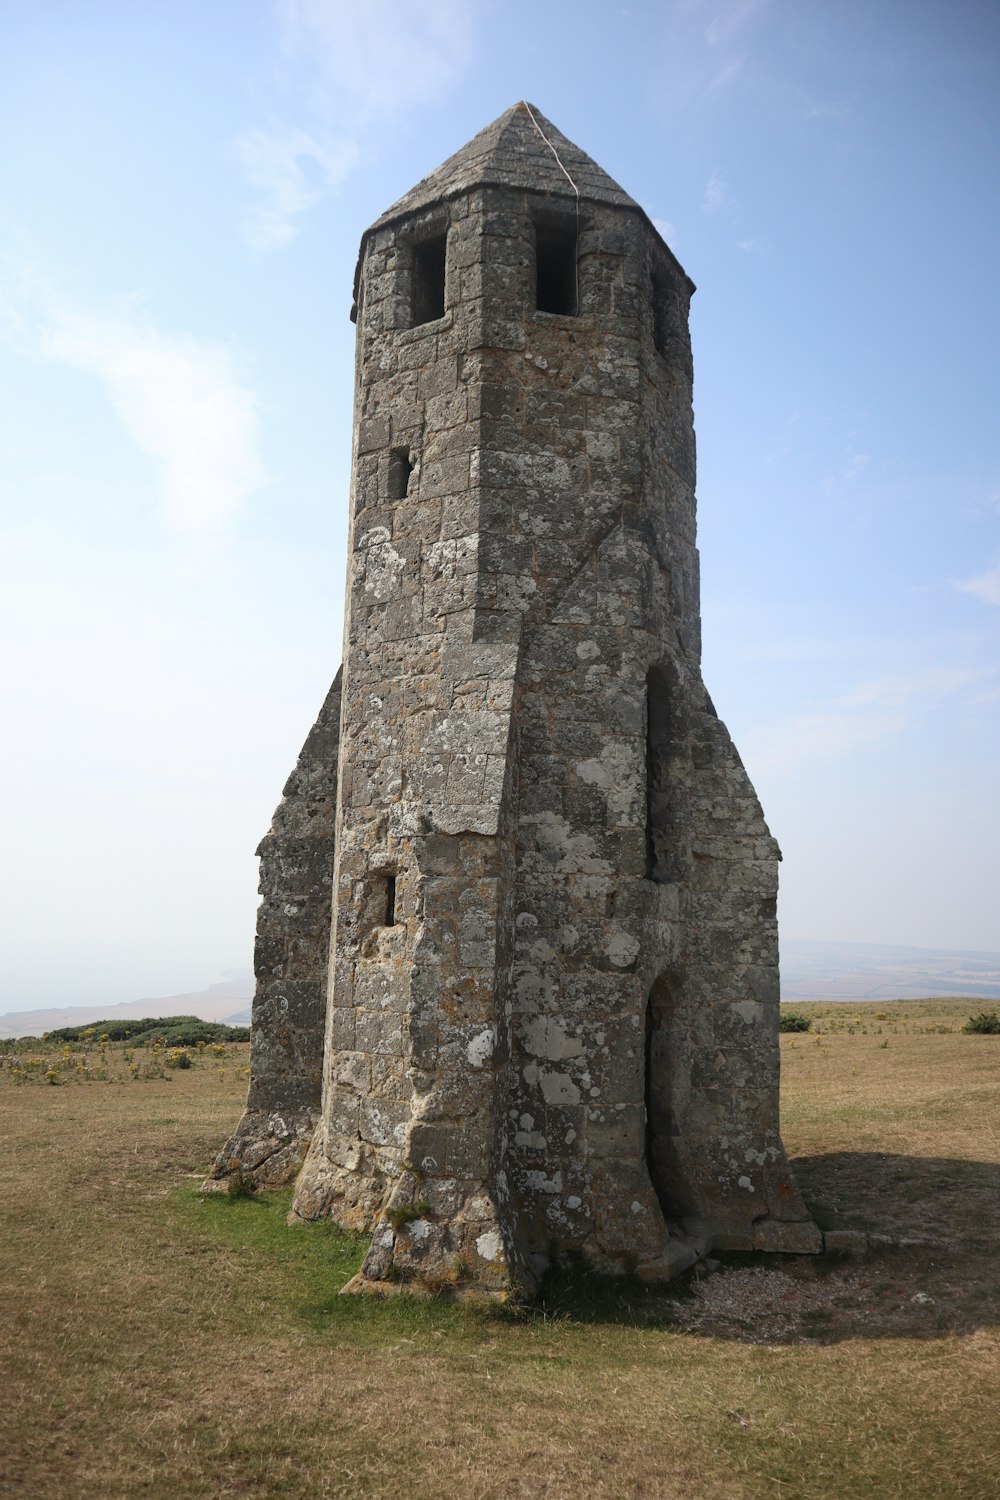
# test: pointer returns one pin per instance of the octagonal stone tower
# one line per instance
(552, 1003)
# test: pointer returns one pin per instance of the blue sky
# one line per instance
(184, 188)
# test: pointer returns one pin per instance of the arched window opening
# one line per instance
(663, 853)
(665, 1058)
(400, 469)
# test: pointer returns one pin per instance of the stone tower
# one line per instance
(551, 1005)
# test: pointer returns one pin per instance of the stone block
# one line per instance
(788, 1239)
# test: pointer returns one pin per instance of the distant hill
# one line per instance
(227, 1001)
(809, 971)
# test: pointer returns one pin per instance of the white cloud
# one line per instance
(386, 55)
(724, 77)
(869, 716)
(291, 170)
(715, 199)
(986, 587)
(181, 400)
(896, 692)
(815, 109)
(667, 230)
(853, 467)
(753, 247)
(816, 737)
(731, 18)
(370, 63)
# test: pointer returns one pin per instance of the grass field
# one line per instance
(157, 1343)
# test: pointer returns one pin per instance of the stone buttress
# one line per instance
(552, 1021)
(290, 964)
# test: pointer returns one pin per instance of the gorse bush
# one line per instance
(792, 1021)
(987, 1023)
(171, 1031)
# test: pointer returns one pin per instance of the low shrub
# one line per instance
(405, 1213)
(792, 1020)
(240, 1184)
(987, 1023)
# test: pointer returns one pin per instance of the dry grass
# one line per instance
(157, 1344)
(896, 1114)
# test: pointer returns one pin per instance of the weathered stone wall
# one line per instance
(291, 957)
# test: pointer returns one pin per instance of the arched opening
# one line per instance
(664, 856)
(400, 469)
(667, 1086)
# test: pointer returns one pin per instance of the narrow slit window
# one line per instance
(556, 268)
(400, 469)
(661, 314)
(662, 854)
(390, 901)
(428, 280)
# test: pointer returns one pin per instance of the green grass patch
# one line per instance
(300, 1270)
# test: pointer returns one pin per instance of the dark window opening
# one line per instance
(664, 1132)
(652, 1037)
(661, 314)
(389, 886)
(400, 469)
(664, 856)
(556, 268)
(427, 302)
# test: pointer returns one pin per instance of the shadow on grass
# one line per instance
(932, 1198)
(910, 1293)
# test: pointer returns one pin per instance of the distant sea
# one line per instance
(809, 971)
(879, 971)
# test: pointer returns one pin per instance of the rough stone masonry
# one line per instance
(517, 953)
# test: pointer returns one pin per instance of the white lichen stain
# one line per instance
(744, 1182)
(480, 1049)
(539, 1183)
(545, 1037)
(533, 1140)
(490, 1245)
(616, 773)
(558, 1088)
(622, 949)
(383, 565)
(575, 850)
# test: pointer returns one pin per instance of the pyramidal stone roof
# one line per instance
(521, 149)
